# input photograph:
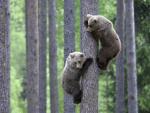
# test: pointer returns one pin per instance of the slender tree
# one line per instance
(4, 57)
(42, 15)
(131, 57)
(69, 46)
(32, 41)
(53, 58)
(89, 47)
(120, 105)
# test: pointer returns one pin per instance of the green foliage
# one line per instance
(60, 48)
(142, 9)
(17, 104)
(143, 52)
(108, 8)
(17, 35)
(142, 17)
(77, 25)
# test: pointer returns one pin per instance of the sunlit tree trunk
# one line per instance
(4, 57)
(53, 58)
(32, 41)
(120, 104)
(131, 58)
(42, 16)
(69, 46)
(89, 47)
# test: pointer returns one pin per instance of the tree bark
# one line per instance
(53, 58)
(4, 57)
(32, 41)
(89, 46)
(69, 46)
(42, 24)
(131, 58)
(120, 105)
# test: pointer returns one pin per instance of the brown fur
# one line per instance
(75, 67)
(103, 31)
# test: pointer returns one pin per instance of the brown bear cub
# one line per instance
(103, 31)
(75, 67)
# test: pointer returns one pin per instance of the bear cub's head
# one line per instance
(76, 60)
(92, 22)
(96, 22)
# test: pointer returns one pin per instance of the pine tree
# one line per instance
(131, 57)
(69, 46)
(42, 25)
(120, 72)
(4, 57)
(53, 58)
(89, 47)
(32, 44)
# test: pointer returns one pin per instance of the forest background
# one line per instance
(106, 79)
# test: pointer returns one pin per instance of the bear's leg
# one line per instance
(103, 58)
(77, 92)
(77, 99)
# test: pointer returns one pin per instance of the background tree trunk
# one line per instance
(53, 58)
(120, 104)
(69, 46)
(4, 57)
(42, 16)
(89, 47)
(32, 41)
(131, 58)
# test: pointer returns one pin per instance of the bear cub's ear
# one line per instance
(88, 16)
(71, 55)
(86, 19)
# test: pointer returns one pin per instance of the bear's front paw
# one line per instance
(78, 98)
(89, 61)
(101, 65)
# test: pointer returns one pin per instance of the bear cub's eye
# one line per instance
(75, 63)
(79, 62)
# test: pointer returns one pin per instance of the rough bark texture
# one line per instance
(120, 105)
(42, 13)
(32, 56)
(53, 58)
(89, 47)
(69, 46)
(131, 58)
(4, 57)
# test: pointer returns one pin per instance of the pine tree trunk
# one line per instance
(53, 58)
(131, 58)
(89, 47)
(4, 57)
(32, 41)
(42, 24)
(120, 105)
(69, 46)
